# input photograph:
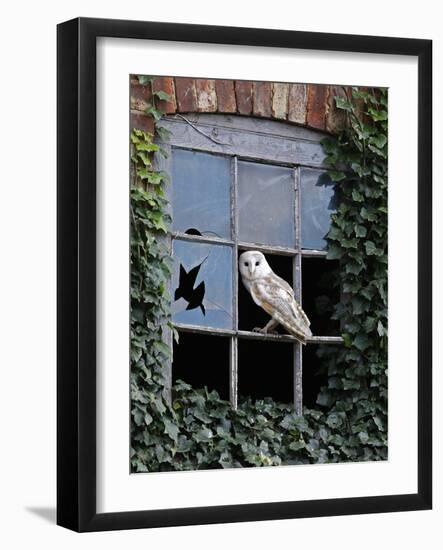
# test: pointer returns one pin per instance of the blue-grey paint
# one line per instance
(201, 193)
(317, 205)
(266, 204)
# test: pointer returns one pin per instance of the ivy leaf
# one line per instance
(171, 429)
(379, 423)
(343, 104)
(372, 250)
(367, 214)
(360, 230)
(163, 96)
(145, 80)
(357, 196)
(334, 252)
(203, 436)
(146, 146)
(381, 329)
(336, 176)
(158, 404)
(379, 141)
(163, 133)
(297, 445)
(324, 399)
(378, 116)
(154, 113)
(361, 342)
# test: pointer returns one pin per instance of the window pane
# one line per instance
(192, 364)
(317, 204)
(266, 204)
(202, 284)
(266, 369)
(321, 293)
(201, 193)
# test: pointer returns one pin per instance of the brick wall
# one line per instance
(309, 105)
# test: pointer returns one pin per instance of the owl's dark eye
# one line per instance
(246, 264)
(257, 263)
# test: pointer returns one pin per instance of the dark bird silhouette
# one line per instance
(193, 231)
(186, 290)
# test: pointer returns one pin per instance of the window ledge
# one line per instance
(257, 335)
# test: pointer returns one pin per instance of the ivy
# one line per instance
(197, 429)
(358, 237)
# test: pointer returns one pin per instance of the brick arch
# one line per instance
(308, 105)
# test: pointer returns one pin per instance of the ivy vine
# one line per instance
(197, 429)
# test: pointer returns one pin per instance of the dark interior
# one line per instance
(320, 295)
(314, 377)
(265, 369)
(202, 360)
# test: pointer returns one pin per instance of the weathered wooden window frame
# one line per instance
(262, 141)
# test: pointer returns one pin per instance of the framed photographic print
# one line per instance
(244, 274)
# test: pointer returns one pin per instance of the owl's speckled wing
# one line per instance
(276, 297)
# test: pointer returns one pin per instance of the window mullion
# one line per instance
(297, 282)
(233, 366)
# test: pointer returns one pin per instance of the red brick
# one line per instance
(142, 122)
(335, 118)
(225, 96)
(140, 96)
(297, 103)
(261, 99)
(317, 98)
(280, 92)
(165, 84)
(206, 97)
(186, 95)
(243, 93)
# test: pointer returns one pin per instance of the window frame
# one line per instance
(261, 141)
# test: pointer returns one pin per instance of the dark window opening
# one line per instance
(320, 294)
(202, 361)
(250, 315)
(265, 369)
(314, 372)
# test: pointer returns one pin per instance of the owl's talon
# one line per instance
(264, 330)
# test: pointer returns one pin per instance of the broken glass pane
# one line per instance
(202, 284)
(266, 204)
(201, 193)
(317, 205)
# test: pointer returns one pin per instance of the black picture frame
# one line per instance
(76, 265)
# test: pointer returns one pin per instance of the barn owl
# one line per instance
(274, 295)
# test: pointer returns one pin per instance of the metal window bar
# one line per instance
(297, 283)
(233, 367)
(245, 334)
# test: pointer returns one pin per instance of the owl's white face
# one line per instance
(253, 265)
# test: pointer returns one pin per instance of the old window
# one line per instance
(243, 184)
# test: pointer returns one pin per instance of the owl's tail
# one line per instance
(295, 327)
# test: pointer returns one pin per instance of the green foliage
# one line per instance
(197, 429)
(357, 374)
